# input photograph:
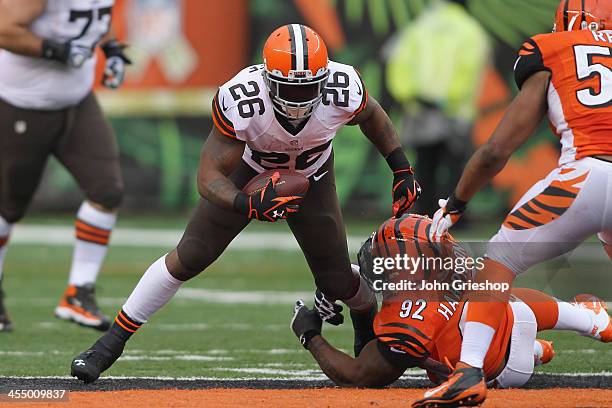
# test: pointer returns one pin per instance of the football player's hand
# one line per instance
(70, 53)
(306, 323)
(116, 62)
(266, 205)
(447, 215)
(405, 191)
(329, 311)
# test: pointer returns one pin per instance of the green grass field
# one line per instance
(230, 336)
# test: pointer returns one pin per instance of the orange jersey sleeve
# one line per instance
(580, 91)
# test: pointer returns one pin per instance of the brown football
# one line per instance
(290, 183)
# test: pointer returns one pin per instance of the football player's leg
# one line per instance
(319, 229)
(520, 362)
(552, 218)
(555, 314)
(89, 150)
(26, 139)
(208, 233)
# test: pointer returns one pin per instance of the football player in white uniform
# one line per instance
(282, 114)
(47, 68)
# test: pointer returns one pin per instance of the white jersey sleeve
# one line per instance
(345, 95)
(239, 105)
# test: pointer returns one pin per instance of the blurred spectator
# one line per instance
(434, 70)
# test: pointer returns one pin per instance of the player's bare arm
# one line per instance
(378, 128)
(519, 123)
(370, 369)
(220, 156)
(16, 16)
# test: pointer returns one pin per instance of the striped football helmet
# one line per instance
(296, 70)
(591, 15)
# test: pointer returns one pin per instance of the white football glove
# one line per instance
(443, 219)
(116, 63)
(114, 72)
(329, 311)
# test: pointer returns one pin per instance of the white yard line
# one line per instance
(165, 239)
(55, 235)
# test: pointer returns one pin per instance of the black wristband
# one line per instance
(306, 337)
(455, 205)
(241, 203)
(397, 160)
(114, 48)
(55, 51)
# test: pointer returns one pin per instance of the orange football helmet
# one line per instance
(407, 235)
(591, 15)
(296, 70)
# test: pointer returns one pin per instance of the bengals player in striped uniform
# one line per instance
(282, 114)
(423, 328)
(567, 76)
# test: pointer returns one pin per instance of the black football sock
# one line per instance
(124, 326)
(363, 324)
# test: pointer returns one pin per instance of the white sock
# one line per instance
(156, 287)
(364, 299)
(93, 229)
(572, 317)
(5, 232)
(476, 341)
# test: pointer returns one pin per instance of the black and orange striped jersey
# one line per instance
(416, 328)
(580, 91)
(414, 324)
(242, 109)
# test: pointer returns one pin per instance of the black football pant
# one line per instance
(318, 228)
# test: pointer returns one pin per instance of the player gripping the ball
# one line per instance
(282, 114)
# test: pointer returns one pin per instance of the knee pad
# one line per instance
(195, 255)
(109, 195)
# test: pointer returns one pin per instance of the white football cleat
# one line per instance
(602, 324)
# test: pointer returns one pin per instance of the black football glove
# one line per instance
(306, 323)
(116, 61)
(71, 54)
(406, 189)
(266, 205)
(329, 311)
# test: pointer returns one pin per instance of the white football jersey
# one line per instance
(36, 83)
(242, 109)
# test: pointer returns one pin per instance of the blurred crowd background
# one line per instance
(441, 68)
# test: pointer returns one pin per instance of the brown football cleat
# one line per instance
(78, 305)
(464, 388)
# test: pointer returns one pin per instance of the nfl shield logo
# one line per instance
(294, 142)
